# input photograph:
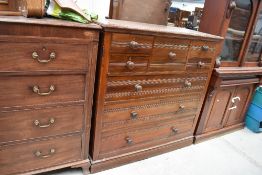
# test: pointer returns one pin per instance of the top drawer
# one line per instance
(201, 49)
(126, 43)
(42, 57)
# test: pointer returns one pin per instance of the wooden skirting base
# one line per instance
(223, 131)
(85, 165)
(101, 165)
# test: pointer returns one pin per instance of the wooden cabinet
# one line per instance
(47, 71)
(238, 65)
(150, 89)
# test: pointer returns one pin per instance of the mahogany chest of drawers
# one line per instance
(151, 85)
(47, 70)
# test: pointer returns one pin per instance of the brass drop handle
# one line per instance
(39, 154)
(134, 115)
(133, 44)
(174, 130)
(138, 88)
(172, 55)
(200, 64)
(51, 121)
(129, 141)
(205, 48)
(130, 65)
(232, 6)
(188, 84)
(36, 90)
(52, 56)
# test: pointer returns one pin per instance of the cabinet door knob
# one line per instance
(200, 64)
(133, 44)
(138, 88)
(134, 115)
(36, 90)
(172, 55)
(129, 141)
(231, 7)
(205, 48)
(174, 130)
(130, 65)
(51, 121)
(181, 107)
(188, 84)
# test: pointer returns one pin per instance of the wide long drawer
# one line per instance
(123, 88)
(34, 90)
(40, 123)
(43, 57)
(39, 154)
(139, 113)
(134, 139)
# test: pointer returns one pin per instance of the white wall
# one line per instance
(100, 7)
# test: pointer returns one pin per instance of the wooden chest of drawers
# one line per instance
(47, 70)
(151, 86)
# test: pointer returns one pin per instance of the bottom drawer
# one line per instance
(40, 154)
(117, 143)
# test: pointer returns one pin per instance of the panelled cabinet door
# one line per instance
(218, 110)
(238, 104)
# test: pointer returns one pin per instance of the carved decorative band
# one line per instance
(154, 81)
(152, 92)
(212, 49)
(153, 105)
(171, 46)
(127, 44)
(147, 118)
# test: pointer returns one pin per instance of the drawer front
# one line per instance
(127, 43)
(135, 139)
(121, 88)
(40, 154)
(200, 49)
(43, 57)
(127, 64)
(40, 123)
(170, 53)
(133, 114)
(34, 90)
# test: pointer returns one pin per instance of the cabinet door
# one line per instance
(253, 54)
(236, 33)
(238, 104)
(218, 110)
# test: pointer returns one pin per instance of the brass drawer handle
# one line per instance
(129, 141)
(133, 44)
(51, 121)
(188, 84)
(130, 65)
(200, 64)
(205, 48)
(37, 90)
(134, 115)
(174, 130)
(172, 55)
(38, 153)
(138, 88)
(52, 56)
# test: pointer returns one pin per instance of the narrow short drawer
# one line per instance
(128, 43)
(40, 154)
(134, 139)
(201, 49)
(40, 123)
(127, 64)
(35, 90)
(43, 57)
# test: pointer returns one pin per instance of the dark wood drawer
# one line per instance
(39, 154)
(139, 113)
(128, 43)
(34, 90)
(127, 64)
(201, 49)
(43, 57)
(40, 123)
(123, 88)
(124, 141)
